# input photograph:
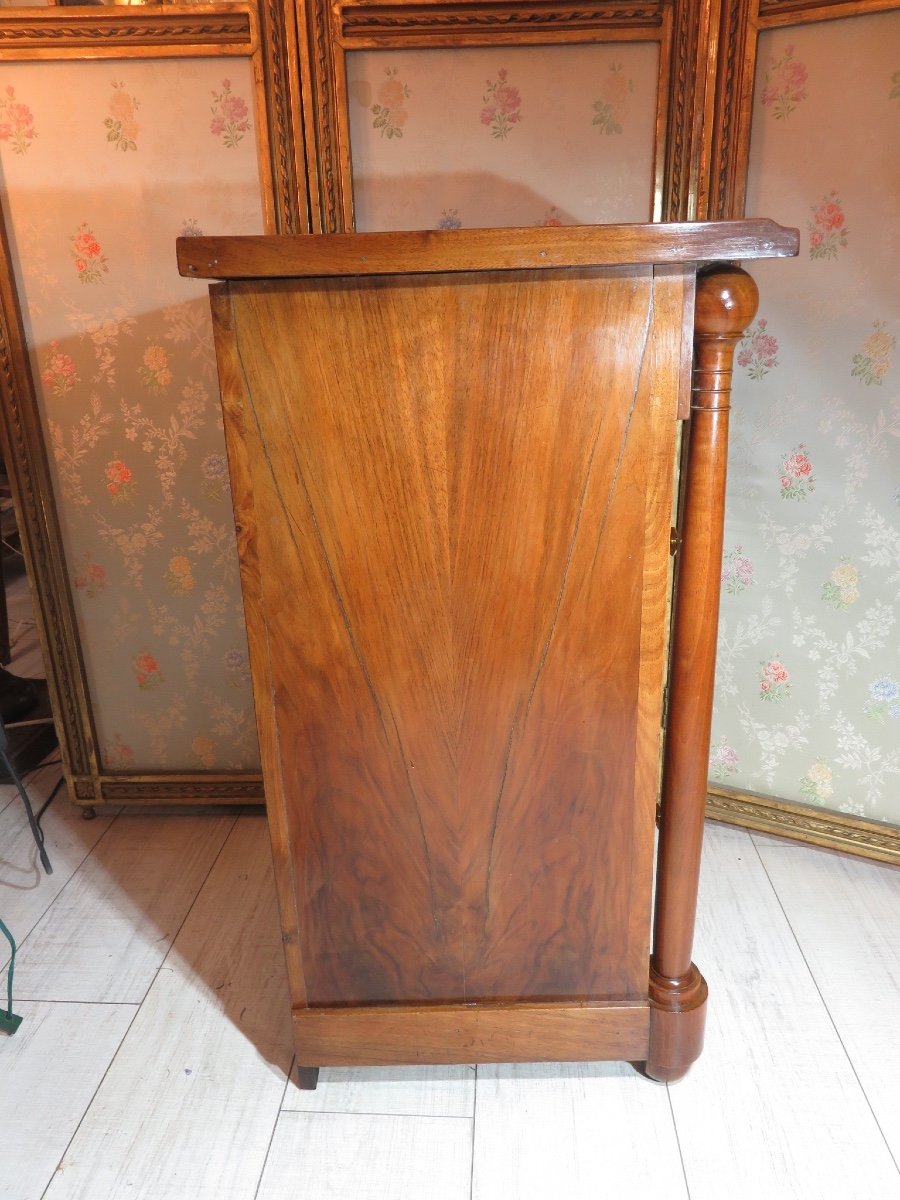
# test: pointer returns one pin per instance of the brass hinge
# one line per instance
(674, 541)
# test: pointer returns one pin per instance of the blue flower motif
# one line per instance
(894, 711)
(885, 689)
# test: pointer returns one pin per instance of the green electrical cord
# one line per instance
(9, 1022)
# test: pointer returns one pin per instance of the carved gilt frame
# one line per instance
(741, 24)
(686, 31)
(266, 37)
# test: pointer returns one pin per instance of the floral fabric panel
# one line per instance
(808, 685)
(549, 135)
(123, 358)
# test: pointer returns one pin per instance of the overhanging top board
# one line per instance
(427, 251)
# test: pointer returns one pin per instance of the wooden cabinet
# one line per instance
(453, 459)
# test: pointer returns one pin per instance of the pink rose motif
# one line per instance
(798, 464)
(795, 77)
(774, 685)
(230, 116)
(21, 114)
(502, 102)
(784, 86)
(828, 231)
(509, 99)
(86, 245)
(234, 108)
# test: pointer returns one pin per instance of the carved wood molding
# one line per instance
(288, 161)
(399, 21)
(692, 33)
(110, 32)
(183, 790)
(730, 133)
(323, 147)
(834, 831)
(236, 789)
(778, 12)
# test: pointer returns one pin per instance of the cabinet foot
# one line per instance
(677, 1020)
(307, 1078)
(88, 813)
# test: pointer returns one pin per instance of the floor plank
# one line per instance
(576, 1130)
(50, 1070)
(187, 1109)
(107, 932)
(846, 915)
(25, 891)
(336, 1156)
(392, 1091)
(774, 1096)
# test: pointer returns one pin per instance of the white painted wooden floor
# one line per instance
(153, 1060)
(154, 1056)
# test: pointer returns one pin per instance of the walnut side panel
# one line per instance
(455, 736)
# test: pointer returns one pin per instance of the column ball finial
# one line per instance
(727, 299)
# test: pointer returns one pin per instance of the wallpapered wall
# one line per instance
(507, 136)
(103, 165)
(808, 689)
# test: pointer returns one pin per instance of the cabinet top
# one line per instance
(441, 250)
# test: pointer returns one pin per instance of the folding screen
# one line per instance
(118, 132)
(808, 687)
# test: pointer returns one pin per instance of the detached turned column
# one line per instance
(726, 305)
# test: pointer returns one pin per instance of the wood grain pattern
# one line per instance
(437, 250)
(482, 1033)
(443, 681)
